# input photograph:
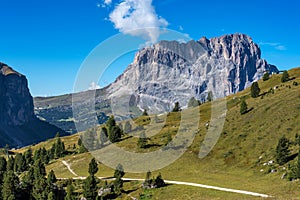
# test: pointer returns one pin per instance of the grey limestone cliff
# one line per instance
(171, 71)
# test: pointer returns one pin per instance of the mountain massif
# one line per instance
(18, 123)
(169, 72)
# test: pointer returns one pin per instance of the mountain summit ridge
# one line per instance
(171, 71)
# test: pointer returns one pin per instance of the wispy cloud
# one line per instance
(276, 45)
(138, 18)
(104, 3)
(107, 2)
(281, 48)
(94, 86)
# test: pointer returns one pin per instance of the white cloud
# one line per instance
(280, 47)
(180, 28)
(276, 45)
(107, 2)
(94, 86)
(269, 43)
(138, 18)
(104, 4)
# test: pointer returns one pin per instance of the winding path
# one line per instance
(69, 167)
(181, 183)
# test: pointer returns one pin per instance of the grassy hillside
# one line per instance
(238, 159)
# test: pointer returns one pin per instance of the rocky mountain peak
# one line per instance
(18, 124)
(16, 102)
(171, 71)
(6, 70)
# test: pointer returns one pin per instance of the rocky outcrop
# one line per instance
(16, 102)
(171, 71)
(18, 124)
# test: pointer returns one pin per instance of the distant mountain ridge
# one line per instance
(167, 72)
(18, 124)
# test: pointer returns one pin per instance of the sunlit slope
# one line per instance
(238, 159)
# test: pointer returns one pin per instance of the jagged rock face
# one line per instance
(171, 71)
(16, 102)
(18, 124)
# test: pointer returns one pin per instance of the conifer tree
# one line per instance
(51, 153)
(176, 107)
(90, 183)
(37, 155)
(59, 148)
(285, 77)
(266, 76)
(40, 189)
(115, 134)
(127, 127)
(2, 172)
(79, 142)
(90, 188)
(113, 130)
(142, 142)
(20, 163)
(51, 196)
(145, 113)
(104, 131)
(282, 150)
(3, 164)
(27, 183)
(10, 186)
(51, 179)
(28, 157)
(39, 169)
(82, 148)
(255, 90)
(193, 102)
(209, 96)
(148, 180)
(243, 107)
(103, 136)
(118, 182)
(119, 171)
(110, 123)
(70, 191)
(10, 163)
(89, 138)
(159, 181)
(93, 167)
(44, 156)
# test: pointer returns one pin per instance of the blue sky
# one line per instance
(47, 40)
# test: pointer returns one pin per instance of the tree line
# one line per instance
(23, 177)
